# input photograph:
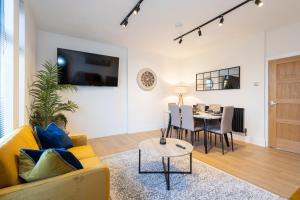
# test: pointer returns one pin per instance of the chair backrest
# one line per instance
(200, 107)
(175, 115)
(169, 105)
(187, 118)
(215, 107)
(227, 116)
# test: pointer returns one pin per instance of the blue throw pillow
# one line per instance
(53, 137)
(40, 164)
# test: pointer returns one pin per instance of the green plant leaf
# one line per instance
(47, 105)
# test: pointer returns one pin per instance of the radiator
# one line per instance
(238, 120)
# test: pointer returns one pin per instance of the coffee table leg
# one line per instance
(139, 161)
(168, 174)
(166, 170)
(191, 164)
(205, 135)
(169, 126)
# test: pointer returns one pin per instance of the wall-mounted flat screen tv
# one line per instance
(80, 68)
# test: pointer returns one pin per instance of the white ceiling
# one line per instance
(153, 29)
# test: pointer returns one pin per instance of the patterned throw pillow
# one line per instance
(41, 164)
(53, 137)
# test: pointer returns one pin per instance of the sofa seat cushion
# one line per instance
(10, 146)
(82, 152)
(90, 162)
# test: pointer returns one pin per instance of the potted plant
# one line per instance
(47, 104)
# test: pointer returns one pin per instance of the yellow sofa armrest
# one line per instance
(90, 184)
(78, 139)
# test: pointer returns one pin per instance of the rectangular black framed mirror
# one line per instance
(223, 79)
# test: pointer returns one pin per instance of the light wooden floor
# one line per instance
(274, 170)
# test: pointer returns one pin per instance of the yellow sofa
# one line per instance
(295, 195)
(90, 183)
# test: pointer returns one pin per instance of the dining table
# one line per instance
(206, 117)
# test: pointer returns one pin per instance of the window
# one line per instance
(7, 65)
(12, 65)
(22, 73)
(2, 47)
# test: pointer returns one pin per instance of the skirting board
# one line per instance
(251, 140)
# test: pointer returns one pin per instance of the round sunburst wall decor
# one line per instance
(146, 79)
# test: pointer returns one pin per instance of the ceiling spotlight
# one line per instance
(221, 21)
(136, 10)
(218, 19)
(124, 23)
(180, 41)
(199, 32)
(259, 3)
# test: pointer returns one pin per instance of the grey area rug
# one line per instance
(205, 182)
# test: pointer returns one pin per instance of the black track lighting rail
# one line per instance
(221, 16)
(135, 10)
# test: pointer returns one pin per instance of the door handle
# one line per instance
(273, 103)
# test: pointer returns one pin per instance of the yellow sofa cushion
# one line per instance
(82, 152)
(9, 151)
(90, 162)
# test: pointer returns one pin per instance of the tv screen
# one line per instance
(80, 68)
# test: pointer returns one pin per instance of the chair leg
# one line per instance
(192, 137)
(231, 141)
(180, 134)
(199, 136)
(215, 139)
(221, 136)
(210, 138)
(226, 139)
(171, 132)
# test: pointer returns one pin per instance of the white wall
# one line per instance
(248, 53)
(125, 109)
(146, 109)
(284, 41)
(252, 54)
(107, 111)
(102, 110)
(30, 59)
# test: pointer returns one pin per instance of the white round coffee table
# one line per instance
(169, 150)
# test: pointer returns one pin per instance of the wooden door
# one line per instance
(284, 104)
